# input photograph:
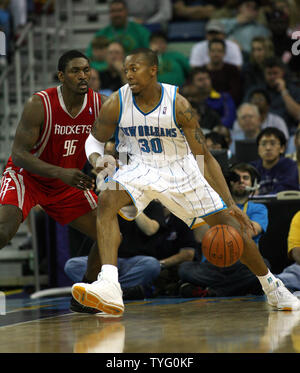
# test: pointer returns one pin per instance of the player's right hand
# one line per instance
(77, 179)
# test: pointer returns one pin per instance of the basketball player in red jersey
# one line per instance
(48, 154)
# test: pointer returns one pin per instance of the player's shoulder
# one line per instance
(181, 101)
(35, 101)
(111, 107)
(47, 93)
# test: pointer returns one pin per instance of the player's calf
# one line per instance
(10, 220)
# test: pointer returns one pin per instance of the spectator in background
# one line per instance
(220, 102)
(294, 238)
(249, 124)
(175, 244)
(199, 55)
(113, 77)
(261, 99)
(19, 11)
(244, 27)
(253, 70)
(226, 133)
(284, 94)
(99, 47)
(130, 34)
(215, 141)
(224, 76)
(291, 274)
(173, 66)
(192, 10)
(5, 26)
(209, 117)
(95, 83)
(279, 22)
(295, 156)
(277, 172)
(203, 279)
(154, 12)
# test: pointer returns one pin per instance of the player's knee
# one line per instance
(108, 202)
(10, 220)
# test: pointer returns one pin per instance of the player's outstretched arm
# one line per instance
(27, 135)
(186, 119)
(103, 129)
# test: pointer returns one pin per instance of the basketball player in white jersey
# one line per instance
(155, 125)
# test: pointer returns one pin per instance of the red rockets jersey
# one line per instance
(62, 139)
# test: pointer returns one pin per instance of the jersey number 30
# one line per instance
(153, 145)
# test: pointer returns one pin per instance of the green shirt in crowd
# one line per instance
(173, 68)
(131, 36)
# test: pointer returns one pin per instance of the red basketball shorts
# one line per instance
(64, 204)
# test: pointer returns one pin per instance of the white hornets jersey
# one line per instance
(153, 138)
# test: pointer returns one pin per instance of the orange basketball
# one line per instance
(222, 245)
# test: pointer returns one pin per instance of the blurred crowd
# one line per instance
(240, 75)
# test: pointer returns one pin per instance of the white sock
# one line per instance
(110, 272)
(267, 280)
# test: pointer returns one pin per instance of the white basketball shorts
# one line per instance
(180, 187)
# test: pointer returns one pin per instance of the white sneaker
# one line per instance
(104, 295)
(280, 297)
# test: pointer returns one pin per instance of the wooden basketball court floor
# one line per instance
(163, 325)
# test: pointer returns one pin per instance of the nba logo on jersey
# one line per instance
(164, 110)
(90, 111)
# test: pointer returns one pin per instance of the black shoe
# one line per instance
(79, 308)
(193, 291)
(134, 293)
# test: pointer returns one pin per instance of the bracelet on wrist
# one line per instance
(284, 92)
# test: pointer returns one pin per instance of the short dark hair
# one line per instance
(149, 54)
(158, 35)
(111, 2)
(100, 42)
(215, 41)
(263, 92)
(67, 57)
(246, 167)
(217, 138)
(269, 131)
(274, 62)
(198, 70)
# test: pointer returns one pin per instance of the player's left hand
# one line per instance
(245, 223)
